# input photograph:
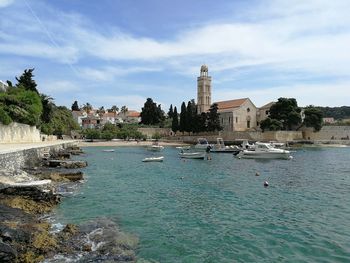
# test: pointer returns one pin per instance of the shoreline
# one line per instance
(127, 143)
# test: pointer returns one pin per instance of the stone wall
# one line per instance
(328, 133)
(18, 133)
(149, 132)
(28, 157)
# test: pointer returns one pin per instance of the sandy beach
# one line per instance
(123, 143)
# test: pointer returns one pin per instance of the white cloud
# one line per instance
(51, 87)
(110, 73)
(5, 3)
(331, 94)
(133, 102)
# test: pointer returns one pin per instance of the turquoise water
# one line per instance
(219, 211)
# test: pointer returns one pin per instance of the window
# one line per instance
(248, 110)
(267, 112)
(248, 124)
(236, 119)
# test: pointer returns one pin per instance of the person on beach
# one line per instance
(208, 152)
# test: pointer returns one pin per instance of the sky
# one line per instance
(120, 52)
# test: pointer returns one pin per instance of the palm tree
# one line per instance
(124, 110)
(87, 107)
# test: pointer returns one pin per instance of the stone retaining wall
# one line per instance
(328, 133)
(18, 133)
(28, 157)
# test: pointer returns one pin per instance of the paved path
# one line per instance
(14, 147)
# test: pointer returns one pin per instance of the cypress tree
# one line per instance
(171, 112)
(183, 114)
(175, 122)
(26, 80)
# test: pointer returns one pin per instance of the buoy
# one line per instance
(182, 177)
(266, 183)
(257, 174)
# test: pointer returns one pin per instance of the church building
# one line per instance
(235, 115)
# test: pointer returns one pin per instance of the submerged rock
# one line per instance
(69, 164)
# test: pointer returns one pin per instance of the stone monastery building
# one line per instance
(235, 115)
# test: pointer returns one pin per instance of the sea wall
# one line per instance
(149, 132)
(19, 133)
(28, 157)
(282, 136)
(328, 133)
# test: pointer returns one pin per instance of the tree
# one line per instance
(48, 107)
(214, 119)
(87, 107)
(183, 116)
(271, 124)
(101, 111)
(286, 111)
(313, 118)
(113, 109)
(175, 121)
(124, 109)
(152, 114)
(26, 80)
(191, 113)
(170, 112)
(75, 106)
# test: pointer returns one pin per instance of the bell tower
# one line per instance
(203, 90)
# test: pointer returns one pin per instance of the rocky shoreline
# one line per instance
(26, 235)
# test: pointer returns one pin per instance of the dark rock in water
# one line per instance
(62, 155)
(74, 150)
(58, 175)
(7, 253)
(67, 164)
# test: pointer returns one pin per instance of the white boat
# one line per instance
(155, 147)
(264, 151)
(154, 159)
(185, 148)
(192, 155)
(220, 147)
(108, 150)
(202, 144)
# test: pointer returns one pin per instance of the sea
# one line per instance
(219, 210)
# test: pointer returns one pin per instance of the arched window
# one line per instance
(248, 109)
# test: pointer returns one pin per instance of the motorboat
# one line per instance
(108, 150)
(185, 148)
(192, 155)
(155, 147)
(264, 151)
(220, 147)
(279, 145)
(154, 159)
(202, 144)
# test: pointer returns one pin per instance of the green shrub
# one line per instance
(4, 117)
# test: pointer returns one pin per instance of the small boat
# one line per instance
(154, 159)
(202, 144)
(155, 148)
(185, 148)
(220, 147)
(264, 151)
(108, 150)
(192, 155)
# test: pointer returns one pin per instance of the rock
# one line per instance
(70, 229)
(67, 164)
(7, 253)
(58, 175)
(87, 247)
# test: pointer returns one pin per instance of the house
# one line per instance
(263, 112)
(237, 115)
(109, 117)
(91, 122)
(3, 86)
(328, 120)
(78, 116)
(130, 116)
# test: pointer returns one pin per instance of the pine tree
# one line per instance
(175, 122)
(183, 114)
(75, 106)
(26, 80)
(213, 118)
(170, 112)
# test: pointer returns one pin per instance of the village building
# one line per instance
(3, 86)
(328, 120)
(130, 116)
(78, 116)
(235, 115)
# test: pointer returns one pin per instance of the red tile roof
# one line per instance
(133, 113)
(228, 104)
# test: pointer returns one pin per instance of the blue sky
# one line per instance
(119, 52)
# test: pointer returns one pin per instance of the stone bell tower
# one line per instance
(203, 90)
